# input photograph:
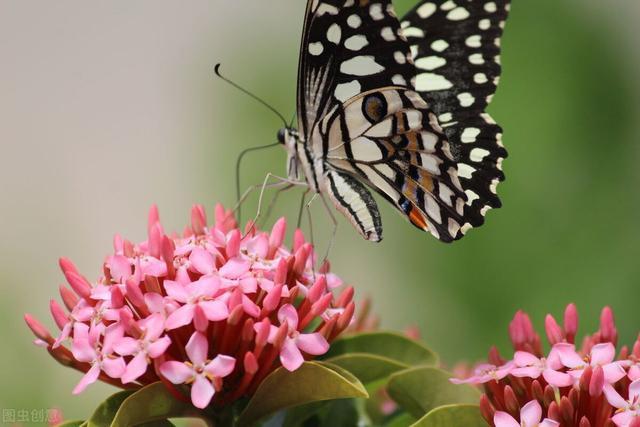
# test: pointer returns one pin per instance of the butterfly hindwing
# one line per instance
(455, 46)
(390, 140)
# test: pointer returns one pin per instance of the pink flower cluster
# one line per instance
(211, 308)
(587, 386)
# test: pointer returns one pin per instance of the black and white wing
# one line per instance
(356, 105)
(455, 46)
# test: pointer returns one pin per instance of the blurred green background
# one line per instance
(106, 108)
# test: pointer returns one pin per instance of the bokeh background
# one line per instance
(108, 107)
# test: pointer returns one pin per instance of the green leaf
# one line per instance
(453, 416)
(153, 403)
(312, 382)
(368, 367)
(419, 390)
(401, 420)
(71, 423)
(386, 344)
(106, 411)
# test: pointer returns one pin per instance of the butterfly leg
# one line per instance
(280, 182)
(274, 200)
(334, 230)
(301, 209)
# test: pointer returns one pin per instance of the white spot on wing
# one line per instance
(334, 33)
(398, 80)
(484, 24)
(345, 91)
(471, 196)
(388, 34)
(465, 171)
(354, 21)
(476, 59)
(469, 135)
(480, 78)
(448, 5)
(399, 57)
(356, 42)
(430, 62)
(366, 150)
(432, 209)
(426, 10)
(376, 12)
(445, 117)
(473, 41)
(413, 32)
(326, 8)
(431, 81)
(478, 154)
(490, 7)
(316, 49)
(439, 45)
(363, 65)
(466, 99)
(458, 14)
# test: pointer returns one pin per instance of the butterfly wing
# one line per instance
(390, 140)
(348, 47)
(455, 46)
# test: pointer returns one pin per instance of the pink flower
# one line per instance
(200, 372)
(627, 409)
(86, 348)
(149, 346)
(600, 355)
(211, 282)
(530, 416)
(528, 365)
(486, 372)
(290, 354)
(199, 303)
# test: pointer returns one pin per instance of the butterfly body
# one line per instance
(373, 114)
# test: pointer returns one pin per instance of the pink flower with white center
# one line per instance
(486, 372)
(199, 303)
(530, 416)
(627, 409)
(149, 346)
(86, 348)
(528, 365)
(290, 355)
(601, 355)
(199, 372)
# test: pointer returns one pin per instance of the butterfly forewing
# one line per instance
(455, 46)
(348, 47)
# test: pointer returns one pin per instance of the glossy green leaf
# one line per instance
(368, 367)
(453, 416)
(106, 411)
(400, 420)
(153, 403)
(419, 390)
(312, 382)
(71, 423)
(386, 344)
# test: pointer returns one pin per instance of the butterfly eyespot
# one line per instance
(374, 107)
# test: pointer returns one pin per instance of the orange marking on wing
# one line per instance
(417, 219)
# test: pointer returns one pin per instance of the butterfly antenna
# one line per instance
(245, 91)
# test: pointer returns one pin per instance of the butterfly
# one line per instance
(398, 107)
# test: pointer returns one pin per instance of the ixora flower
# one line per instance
(213, 308)
(586, 386)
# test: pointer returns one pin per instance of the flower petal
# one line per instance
(197, 348)
(126, 346)
(176, 372)
(202, 260)
(314, 343)
(289, 314)
(502, 419)
(202, 392)
(205, 286)
(613, 397)
(180, 317)
(135, 368)
(530, 372)
(603, 353)
(290, 356)
(531, 413)
(634, 390)
(221, 366)
(568, 355)
(158, 347)
(176, 291)
(214, 310)
(523, 358)
(547, 422)
(558, 379)
(234, 268)
(114, 367)
(90, 377)
(613, 372)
